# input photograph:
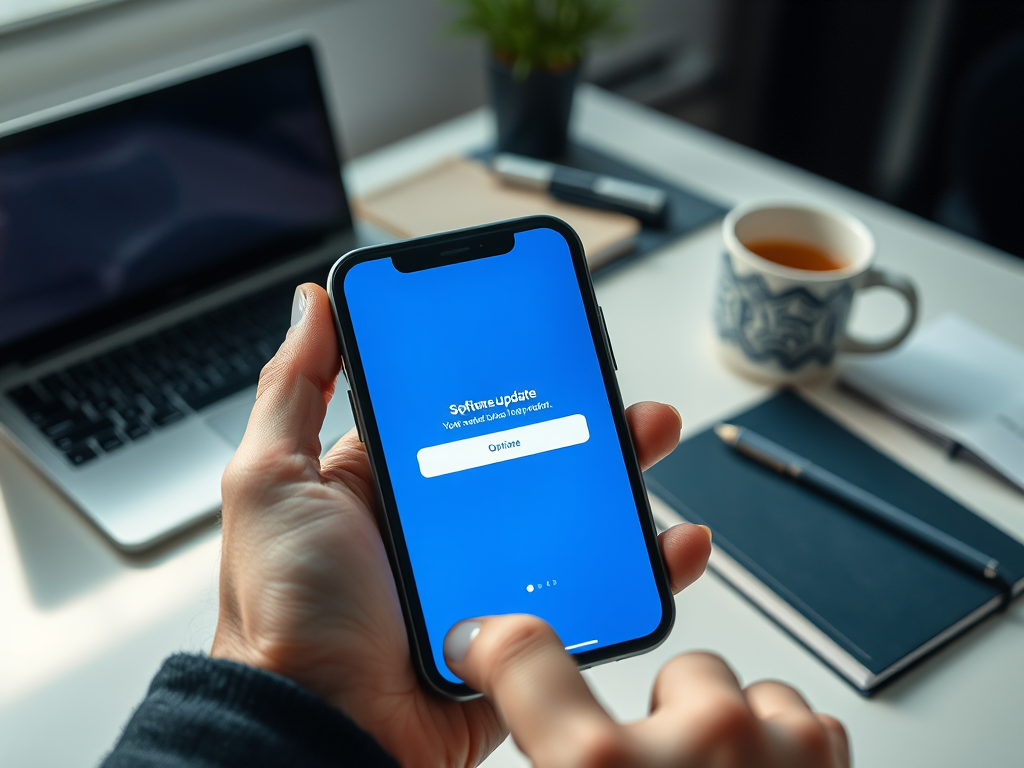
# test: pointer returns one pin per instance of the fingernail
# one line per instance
(680, 416)
(706, 530)
(456, 644)
(298, 306)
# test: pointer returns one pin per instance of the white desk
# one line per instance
(82, 628)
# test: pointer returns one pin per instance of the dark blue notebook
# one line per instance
(866, 601)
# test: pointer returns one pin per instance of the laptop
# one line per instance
(150, 243)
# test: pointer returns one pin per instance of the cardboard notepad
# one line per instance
(459, 192)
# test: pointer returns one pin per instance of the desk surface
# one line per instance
(83, 628)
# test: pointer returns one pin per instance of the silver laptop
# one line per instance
(150, 244)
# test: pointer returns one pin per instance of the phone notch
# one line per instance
(443, 254)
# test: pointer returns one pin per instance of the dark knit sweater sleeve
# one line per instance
(206, 713)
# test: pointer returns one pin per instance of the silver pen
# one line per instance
(648, 204)
(790, 464)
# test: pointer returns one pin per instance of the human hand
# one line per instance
(700, 716)
(305, 588)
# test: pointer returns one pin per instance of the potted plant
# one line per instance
(536, 50)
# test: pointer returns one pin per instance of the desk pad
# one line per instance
(687, 210)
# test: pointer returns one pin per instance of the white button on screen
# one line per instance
(460, 455)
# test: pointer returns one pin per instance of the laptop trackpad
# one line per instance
(230, 423)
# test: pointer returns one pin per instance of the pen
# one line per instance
(785, 462)
(647, 203)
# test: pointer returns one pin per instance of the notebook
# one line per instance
(864, 600)
(957, 383)
(459, 192)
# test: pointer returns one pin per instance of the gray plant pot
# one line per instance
(532, 113)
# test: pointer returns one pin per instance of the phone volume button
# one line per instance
(355, 416)
(607, 338)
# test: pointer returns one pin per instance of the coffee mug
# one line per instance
(788, 278)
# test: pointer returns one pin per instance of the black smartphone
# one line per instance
(483, 385)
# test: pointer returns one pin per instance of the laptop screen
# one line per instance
(115, 211)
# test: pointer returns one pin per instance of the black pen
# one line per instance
(785, 462)
(647, 203)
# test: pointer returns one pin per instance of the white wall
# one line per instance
(391, 67)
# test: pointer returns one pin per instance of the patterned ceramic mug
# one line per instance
(780, 323)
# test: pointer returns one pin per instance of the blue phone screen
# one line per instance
(498, 435)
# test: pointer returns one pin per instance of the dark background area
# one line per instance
(917, 102)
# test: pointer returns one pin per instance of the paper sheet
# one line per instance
(958, 381)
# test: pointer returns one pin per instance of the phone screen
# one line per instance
(500, 443)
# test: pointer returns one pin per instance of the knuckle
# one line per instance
(734, 720)
(236, 482)
(729, 741)
(600, 746)
(244, 467)
(770, 683)
(676, 664)
(837, 732)
(813, 739)
(671, 671)
(251, 474)
(701, 662)
(833, 725)
(229, 480)
(708, 661)
(728, 722)
(705, 656)
(270, 372)
(682, 664)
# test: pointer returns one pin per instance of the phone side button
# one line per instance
(355, 416)
(607, 338)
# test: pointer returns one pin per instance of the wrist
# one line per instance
(231, 643)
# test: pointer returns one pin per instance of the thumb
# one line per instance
(297, 383)
(520, 664)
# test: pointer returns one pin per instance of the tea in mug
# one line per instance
(796, 255)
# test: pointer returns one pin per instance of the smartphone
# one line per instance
(482, 383)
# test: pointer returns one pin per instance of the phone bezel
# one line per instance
(389, 521)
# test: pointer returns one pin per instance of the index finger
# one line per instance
(519, 663)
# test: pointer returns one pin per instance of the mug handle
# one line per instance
(879, 277)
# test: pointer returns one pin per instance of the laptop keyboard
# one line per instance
(126, 394)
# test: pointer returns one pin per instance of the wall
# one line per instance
(391, 68)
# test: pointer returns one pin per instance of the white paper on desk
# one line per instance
(957, 381)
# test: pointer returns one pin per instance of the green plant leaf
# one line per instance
(540, 34)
